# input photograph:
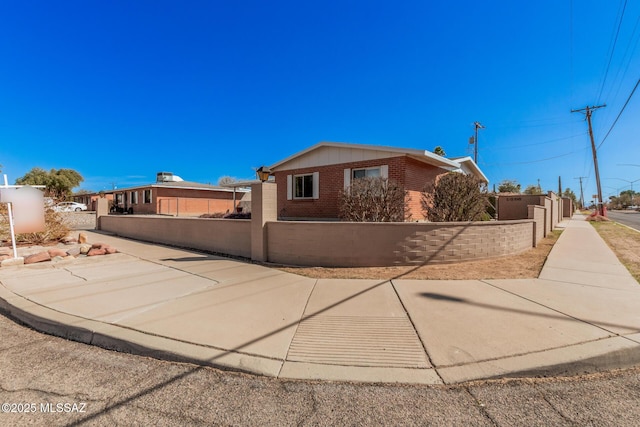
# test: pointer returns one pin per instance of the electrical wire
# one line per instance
(620, 113)
(502, 147)
(613, 48)
(539, 160)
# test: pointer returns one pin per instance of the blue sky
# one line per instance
(120, 90)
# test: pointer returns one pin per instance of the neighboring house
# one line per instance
(309, 182)
(170, 195)
(91, 199)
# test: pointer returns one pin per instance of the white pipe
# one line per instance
(10, 211)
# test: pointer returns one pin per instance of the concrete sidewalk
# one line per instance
(581, 315)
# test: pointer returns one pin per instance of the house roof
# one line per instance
(185, 185)
(468, 165)
(331, 153)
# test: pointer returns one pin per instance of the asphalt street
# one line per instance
(629, 218)
(46, 380)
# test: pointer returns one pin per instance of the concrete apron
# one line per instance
(188, 306)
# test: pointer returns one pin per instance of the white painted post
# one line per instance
(13, 234)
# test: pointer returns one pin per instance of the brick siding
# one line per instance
(410, 173)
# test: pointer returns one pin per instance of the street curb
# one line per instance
(610, 353)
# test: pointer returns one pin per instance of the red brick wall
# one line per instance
(406, 171)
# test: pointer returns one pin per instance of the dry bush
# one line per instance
(455, 197)
(55, 229)
(374, 199)
(213, 215)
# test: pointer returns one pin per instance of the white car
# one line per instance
(70, 207)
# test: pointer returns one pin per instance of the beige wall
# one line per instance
(227, 236)
(345, 244)
(538, 214)
(567, 207)
(336, 244)
(516, 206)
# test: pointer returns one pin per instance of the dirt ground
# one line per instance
(524, 265)
(624, 242)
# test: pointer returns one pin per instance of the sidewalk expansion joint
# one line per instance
(530, 353)
(413, 325)
(569, 316)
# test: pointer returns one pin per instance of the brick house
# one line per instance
(170, 195)
(309, 182)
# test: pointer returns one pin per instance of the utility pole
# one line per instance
(477, 125)
(588, 111)
(581, 193)
(559, 186)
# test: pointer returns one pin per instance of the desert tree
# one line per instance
(454, 197)
(509, 186)
(439, 151)
(58, 183)
(374, 199)
(533, 190)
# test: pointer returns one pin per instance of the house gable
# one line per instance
(334, 153)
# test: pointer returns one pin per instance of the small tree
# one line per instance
(509, 186)
(439, 151)
(226, 179)
(570, 194)
(533, 190)
(454, 197)
(374, 199)
(58, 182)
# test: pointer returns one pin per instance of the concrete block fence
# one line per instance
(333, 244)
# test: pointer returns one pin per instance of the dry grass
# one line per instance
(624, 242)
(524, 265)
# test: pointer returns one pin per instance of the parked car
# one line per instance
(70, 207)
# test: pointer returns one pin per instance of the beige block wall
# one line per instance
(227, 236)
(567, 207)
(385, 244)
(515, 206)
(538, 215)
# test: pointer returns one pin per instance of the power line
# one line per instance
(534, 143)
(537, 161)
(613, 48)
(620, 113)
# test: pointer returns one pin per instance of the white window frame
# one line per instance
(366, 170)
(348, 174)
(133, 197)
(315, 186)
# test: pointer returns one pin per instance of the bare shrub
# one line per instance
(55, 229)
(374, 199)
(454, 197)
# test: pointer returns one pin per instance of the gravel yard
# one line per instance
(80, 220)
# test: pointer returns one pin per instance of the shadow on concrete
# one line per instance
(559, 316)
(239, 348)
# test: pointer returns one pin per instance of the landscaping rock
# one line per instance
(74, 251)
(84, 249)
(69, 240)
(97, 251)
(82, 238)
(104, 246)
(54, 252)
(38, 257)
(12, 261)
(5, 250)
